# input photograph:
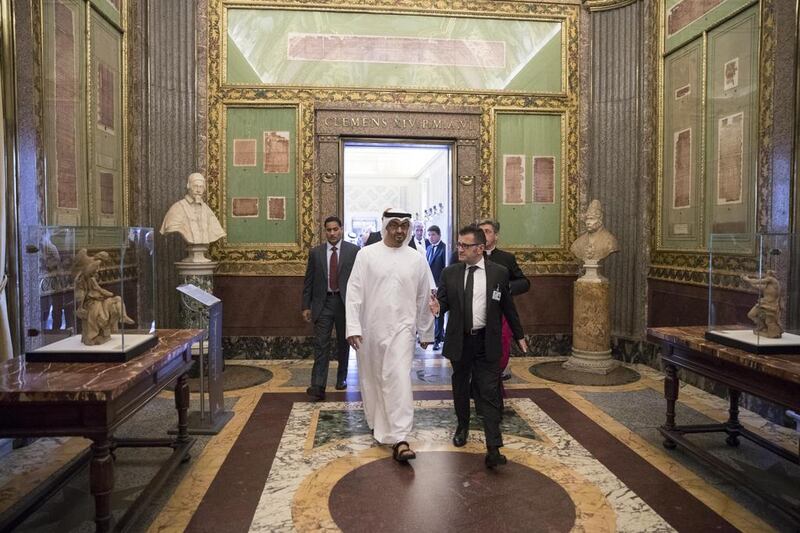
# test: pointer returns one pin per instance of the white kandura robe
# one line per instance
(388, 297)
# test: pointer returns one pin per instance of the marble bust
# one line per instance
(191, 216)
(766, 313)
(99, 310)
(597, 242)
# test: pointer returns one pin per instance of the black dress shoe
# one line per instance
(494, 457)
(460, 436)
(341, 385)
(437, 346)
(316, 393)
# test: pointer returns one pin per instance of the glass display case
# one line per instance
(92, 299)
(753, 292)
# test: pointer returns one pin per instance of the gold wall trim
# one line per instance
(691, 266)
(272, 260)
(766, 76)
(606, 5)
(38, 106)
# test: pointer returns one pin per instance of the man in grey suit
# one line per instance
(324, 288)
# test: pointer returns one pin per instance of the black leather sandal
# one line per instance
(403, 455)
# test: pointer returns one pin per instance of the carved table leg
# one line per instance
(101, 481)
(182, 405)
(732, 426)
(671, 385)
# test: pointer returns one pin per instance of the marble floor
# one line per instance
(581, 458)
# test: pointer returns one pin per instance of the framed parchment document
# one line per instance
(244, 207)
(681, 186)
(543, 180)
(522, 141)
(65, 111)
(685, 20)
(260, 175)
(309, 48)
(731, 145)
(709, 148)
(513, 179)
(105, 132)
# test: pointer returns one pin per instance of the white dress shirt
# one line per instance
(420, 246)
(328, 260)
(478, 294)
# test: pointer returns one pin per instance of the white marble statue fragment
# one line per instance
(597, 243)
(194, 220)
(99, 310)
(191, 217)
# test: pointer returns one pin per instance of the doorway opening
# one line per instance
(416, 176)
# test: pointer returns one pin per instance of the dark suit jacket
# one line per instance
(519, 284)
(412, 244)
(315, 285)
(436, 260)
(451, 299)
(374, 236)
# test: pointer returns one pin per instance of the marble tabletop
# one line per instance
(46, 382)
(693, 337)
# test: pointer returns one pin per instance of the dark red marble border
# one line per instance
(232, 498)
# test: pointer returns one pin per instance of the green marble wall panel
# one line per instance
(681, 208)
(111, 9)
(106, 129)
(686, 19)
(253, 178)
(732, 121)
(336, 49)
(529, 224)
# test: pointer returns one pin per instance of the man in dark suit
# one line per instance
(324, 288)
(476, 294)
(418, 240)
(437, 254)
(518, 284)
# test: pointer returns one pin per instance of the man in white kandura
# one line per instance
(388, 295)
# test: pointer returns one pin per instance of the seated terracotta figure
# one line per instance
(99, 310)
(766, 313)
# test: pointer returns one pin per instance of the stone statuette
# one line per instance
(766, 314)
(99, 310)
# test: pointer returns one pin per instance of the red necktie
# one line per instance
(333, 271)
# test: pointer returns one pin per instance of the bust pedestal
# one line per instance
(196, 268)
(591, 324)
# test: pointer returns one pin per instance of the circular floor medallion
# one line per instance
(449, 491)
(552, 371)
(237, 377)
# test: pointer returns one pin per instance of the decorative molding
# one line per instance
(38, 107)
(606, 5)
(691, 266)
(766, 77)
(329, 177)
(285, 260)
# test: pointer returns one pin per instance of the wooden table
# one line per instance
(773, 377)
(91, 400)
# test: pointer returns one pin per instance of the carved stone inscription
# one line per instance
(388, 123)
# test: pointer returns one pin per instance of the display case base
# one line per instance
(748, 341)
(71, 350)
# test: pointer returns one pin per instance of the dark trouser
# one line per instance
(473, 373)
(439, 328)
(332, 314)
